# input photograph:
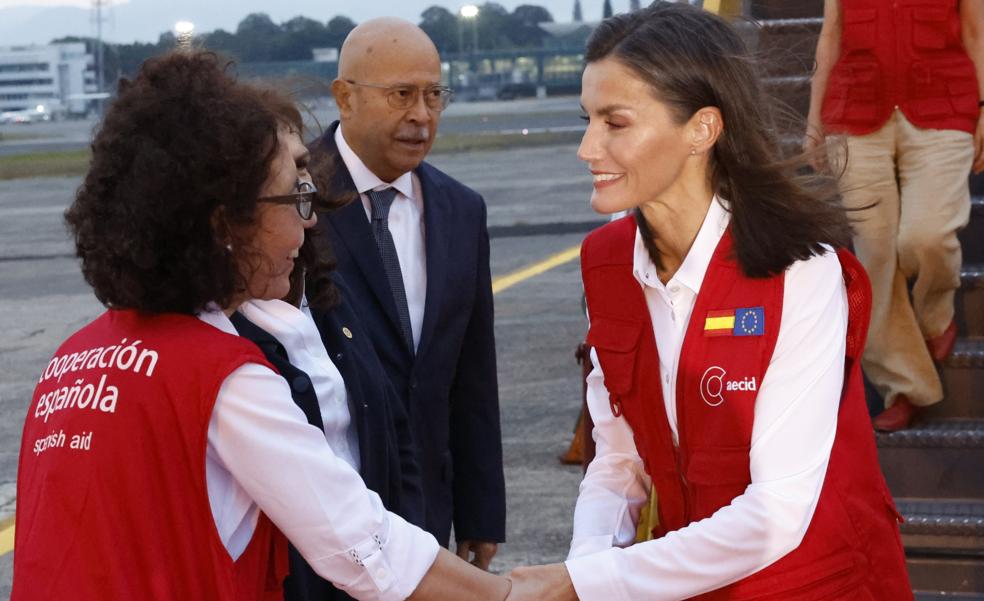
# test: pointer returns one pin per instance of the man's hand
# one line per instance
(542, 583)
(479, 553)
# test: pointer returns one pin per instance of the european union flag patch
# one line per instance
(750, 322)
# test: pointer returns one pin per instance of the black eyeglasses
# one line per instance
(403, 96)
(302, 199)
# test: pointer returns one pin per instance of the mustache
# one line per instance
(421, 134)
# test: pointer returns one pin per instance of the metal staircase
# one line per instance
(935, 470)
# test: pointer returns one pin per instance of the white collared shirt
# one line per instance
(295, 330)
(262, 454)
(794, 427)
(406, 224)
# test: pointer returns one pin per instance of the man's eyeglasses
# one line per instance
(403, 96)
(302, 199)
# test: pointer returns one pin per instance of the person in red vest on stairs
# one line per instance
(726, 327)
(901, 83)
(147, 468)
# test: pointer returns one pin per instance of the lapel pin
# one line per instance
(347, 332)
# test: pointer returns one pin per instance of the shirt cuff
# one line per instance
(386, 568)
(595, 577)
(587, 545)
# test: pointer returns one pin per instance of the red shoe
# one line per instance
(897, 417)
(941, 346)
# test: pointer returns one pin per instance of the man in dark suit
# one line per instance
(413, 246)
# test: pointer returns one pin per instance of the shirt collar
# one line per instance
(365, 179)
(215, 317)
(694, 266)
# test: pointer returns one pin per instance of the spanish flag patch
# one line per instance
(735, 322)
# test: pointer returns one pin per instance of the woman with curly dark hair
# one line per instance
(726, 332)
(162, 454)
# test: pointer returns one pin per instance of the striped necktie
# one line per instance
(381, 201)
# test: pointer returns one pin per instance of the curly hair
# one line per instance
(176, 169)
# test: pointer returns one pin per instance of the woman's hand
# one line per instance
(542, 583)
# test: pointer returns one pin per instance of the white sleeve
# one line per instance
(615, 486)
(794, 429)
(315, 498)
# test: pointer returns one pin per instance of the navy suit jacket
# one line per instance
(387, 457)
(449, 386)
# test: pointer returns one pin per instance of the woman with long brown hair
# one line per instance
(726, 327)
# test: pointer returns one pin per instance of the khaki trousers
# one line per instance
(916, 180)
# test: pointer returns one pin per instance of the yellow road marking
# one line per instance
(6, 536)
(498, 285)
(509, 280)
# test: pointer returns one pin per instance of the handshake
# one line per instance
(452, 579)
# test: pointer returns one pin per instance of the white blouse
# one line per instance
(793, 432)
(263, 455)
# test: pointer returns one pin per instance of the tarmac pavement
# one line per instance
(538, 206)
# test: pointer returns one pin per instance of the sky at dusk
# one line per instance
(38, 21)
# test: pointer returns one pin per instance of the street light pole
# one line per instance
(183, 31)
(470, 12)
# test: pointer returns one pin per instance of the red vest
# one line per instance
(906, 54)
(111, 493)
(853, 541)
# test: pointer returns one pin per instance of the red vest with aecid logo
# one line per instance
(111, 494)
(906, 54)
(853, 542)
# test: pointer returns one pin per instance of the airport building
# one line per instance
(52, 79)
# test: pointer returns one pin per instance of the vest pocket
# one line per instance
(716, 476)
(615, 341)
(929, 25)
(859, 29)
(942, 88)
(855, 93)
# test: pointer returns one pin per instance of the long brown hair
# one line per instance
(692, 59)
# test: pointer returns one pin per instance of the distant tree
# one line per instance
(578, 17)
(338, 29)
(634, 5)
(257, 36)
(221, 41)
(298, 36)
(131, 56)
(530, 14)
(606, 9)
(442, 27)
(493, 26)
(524, 30)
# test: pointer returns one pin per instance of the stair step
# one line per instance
(794, 92)
(972, 276)
(922, 595)
(940, 458)
(954, 526)
(972, 236)
(969, 302)
(967, 353)
(783, 46)
(963, 381)
(785, 9)
(940, 577)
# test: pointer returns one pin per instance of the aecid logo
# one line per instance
(713, 385)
